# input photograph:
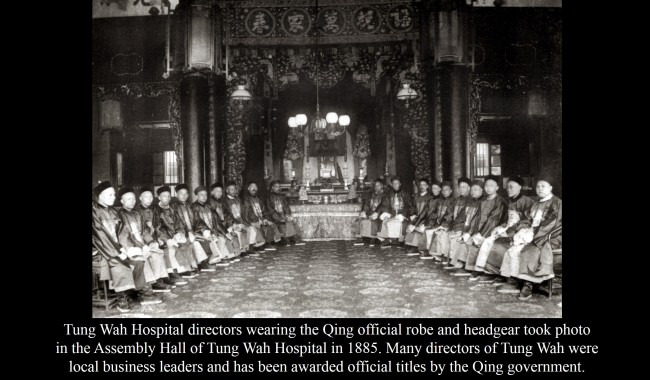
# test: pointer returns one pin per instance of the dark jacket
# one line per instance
(375, 202)
(400, 202)
(278, 207)
(207, 219)
(135, 232)
(421, 208)
(254, 209)
(490, 214)
(169, 223)
(107, 226)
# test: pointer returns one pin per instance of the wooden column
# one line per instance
(447, 50)
(194, 118)
(433, 81)
(213, 158)
(458, 121)
(390, 166)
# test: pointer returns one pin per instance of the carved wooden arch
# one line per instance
(152, 90)
(477, 82)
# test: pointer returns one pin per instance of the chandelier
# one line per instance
(332, 125)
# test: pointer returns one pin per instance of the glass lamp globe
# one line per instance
(241, 93)
(301, 119)
(332, 117)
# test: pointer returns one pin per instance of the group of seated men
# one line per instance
(479, 234)
(153, 248)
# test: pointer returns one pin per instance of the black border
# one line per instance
(52, 100)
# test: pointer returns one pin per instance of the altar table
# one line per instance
(325, 221)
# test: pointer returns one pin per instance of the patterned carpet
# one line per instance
(337, 279)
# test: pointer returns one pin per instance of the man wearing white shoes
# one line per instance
(395, 220)
(255, 213)
(234, 207)
(449, 229)
(127, 272)
(137, 239)
(443, 204)
(490, 255)
(460, 238)
(374, 204)
(171, 233)
(420, 218)
(209, 228)
(225, 217)
(145, 209)
(185, 214)
(280, 214)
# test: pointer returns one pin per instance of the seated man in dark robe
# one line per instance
(415, 235)
(183, 209)
(490, 256)
(530, 259)
(171, 231)
(492, 211)
(280, 214)
(126, 272)
(395, 220)
(443, 203)
(462, 224)
(145, 209)
(214, 235)
(374, 204)
(136, 237)
(450, 225)
(222, 211)
(235, 207)
(256, 214)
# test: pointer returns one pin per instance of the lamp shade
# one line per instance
(344, 120)
(332, 117)
(241, 93)
(406, 92)
(292, 122)
(301, 119)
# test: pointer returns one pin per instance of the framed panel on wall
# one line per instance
(110, 114)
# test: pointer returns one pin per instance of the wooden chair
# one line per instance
(554, 283)
(101, 274)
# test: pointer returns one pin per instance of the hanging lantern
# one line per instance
(406, 92)
(292, 122)
(241, 93)
(344, 120)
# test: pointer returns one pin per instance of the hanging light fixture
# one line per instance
(241, 93)
(332, 125)
(406, 93)
(292, 122)
(301, 119)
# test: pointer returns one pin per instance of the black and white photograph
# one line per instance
(326, 159)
